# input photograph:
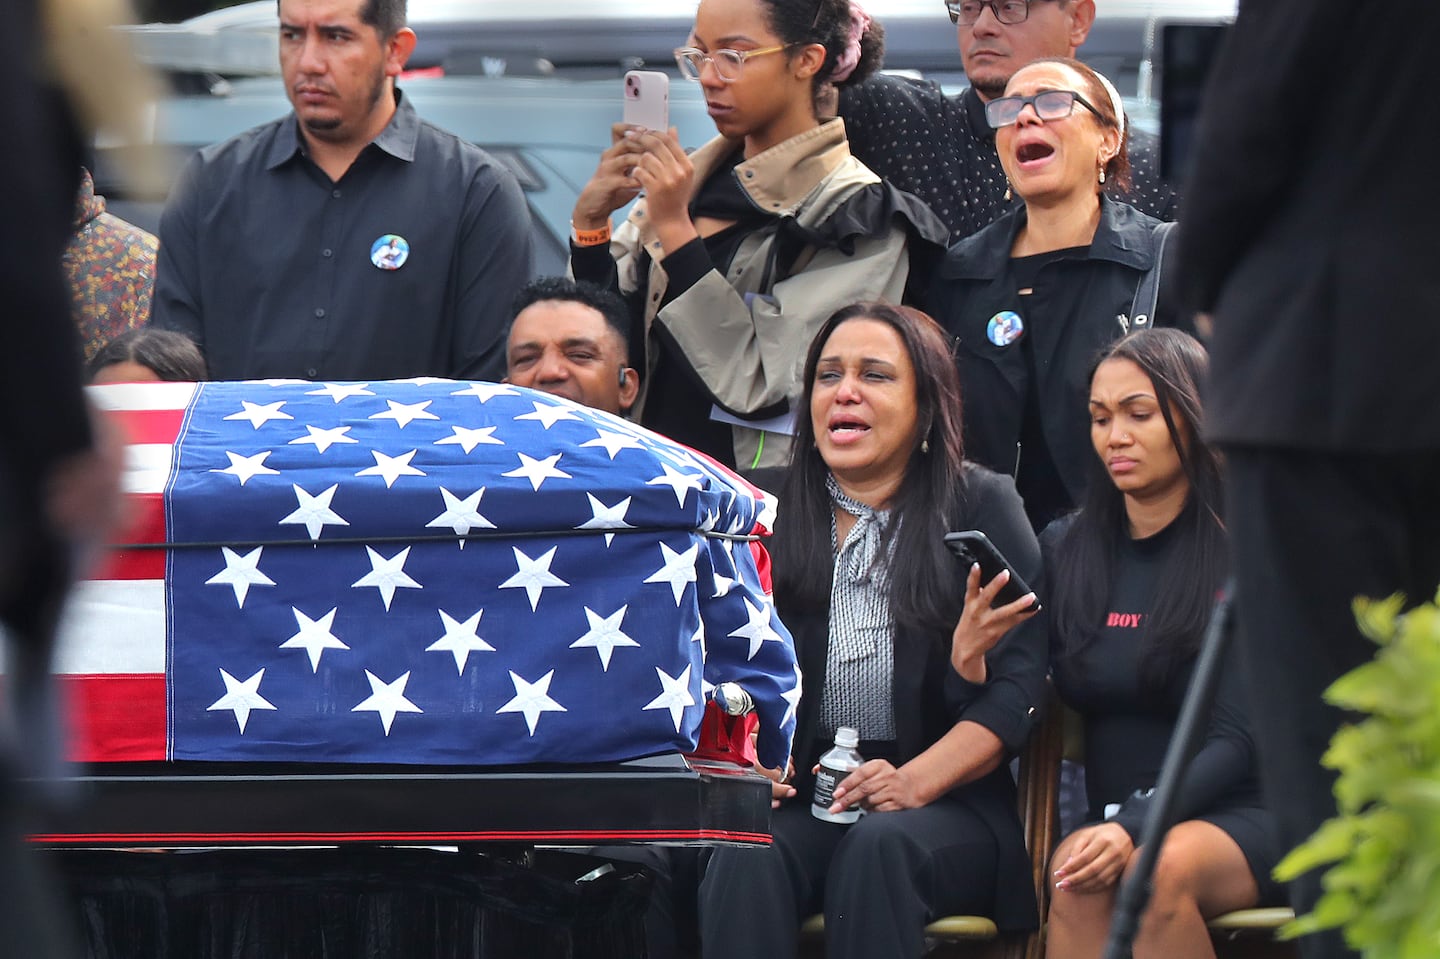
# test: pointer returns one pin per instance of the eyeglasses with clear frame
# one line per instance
(728, 64)
(1048, 105)
(1008, 12)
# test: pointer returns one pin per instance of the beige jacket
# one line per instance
(750, 355)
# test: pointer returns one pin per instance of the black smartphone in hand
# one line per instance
(972, 546)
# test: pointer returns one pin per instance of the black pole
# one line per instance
(1190, 729)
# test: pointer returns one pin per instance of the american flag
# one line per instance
(419, 571)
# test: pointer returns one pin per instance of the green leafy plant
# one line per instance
(1384, 886)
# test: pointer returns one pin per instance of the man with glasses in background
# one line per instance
(941, 148)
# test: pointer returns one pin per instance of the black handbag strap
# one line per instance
(1147, 293)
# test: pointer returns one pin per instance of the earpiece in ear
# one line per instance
(623, 374)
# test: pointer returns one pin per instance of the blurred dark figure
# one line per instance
(110, 265)
(1309, 237)
(58, 486)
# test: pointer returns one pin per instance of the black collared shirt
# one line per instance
(941, 149)
(272, 267)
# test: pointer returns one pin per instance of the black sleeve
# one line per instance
(46, 417)
(1243, 165)
(593, 264)
(686, 266)
(1009, 702)
(888, 119)
(1225, 760)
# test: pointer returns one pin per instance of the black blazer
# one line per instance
(1310, 228)
(930, 697)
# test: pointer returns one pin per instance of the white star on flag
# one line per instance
(387, 699)
(532, 699)
(341, 391)
(678, 570)
(677, 481)
(604, 635)
(533, 575)
(722, 585)
(548, 414)
(461, 515)
(314, 636)
(406, 413)
(425, 380)
(758, 629)
(461, 639)
(240, 573)
(240, 697)
(606, 517)
(391, 467)
(315, 512)
(792, 698)
(324, 439)
(675, 696)
(538, 471)
(260, 414)
(485, 392)
(247, 466)
(613, 442)
(469, 439)
(699, 636)
(387, 575)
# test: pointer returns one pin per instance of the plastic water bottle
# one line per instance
(837, 763)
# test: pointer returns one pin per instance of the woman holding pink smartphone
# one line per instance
(738, 252)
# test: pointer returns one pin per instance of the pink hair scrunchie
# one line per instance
(846, 62)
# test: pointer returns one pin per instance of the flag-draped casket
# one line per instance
(421, 571)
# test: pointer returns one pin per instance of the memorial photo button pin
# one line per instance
(390, 251)
(1005, 328)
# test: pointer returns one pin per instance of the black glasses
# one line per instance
(1006, 11)
(1048, 104)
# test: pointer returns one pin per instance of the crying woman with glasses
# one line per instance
(1033, 298)
(736, 253)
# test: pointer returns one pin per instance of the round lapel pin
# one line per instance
(1005, 328)
(390, 251)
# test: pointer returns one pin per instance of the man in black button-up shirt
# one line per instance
(350, 239)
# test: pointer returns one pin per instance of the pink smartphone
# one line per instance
(647, 99)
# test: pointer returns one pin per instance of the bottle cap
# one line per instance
(847, 737)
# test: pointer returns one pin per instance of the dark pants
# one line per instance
(878, 882)
(1310, 532)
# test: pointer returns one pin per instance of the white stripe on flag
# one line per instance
(142, 396)
(113, 626)
(147, 467)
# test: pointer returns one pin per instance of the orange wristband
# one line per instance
(590, 237)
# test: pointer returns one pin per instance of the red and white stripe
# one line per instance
(111, 654)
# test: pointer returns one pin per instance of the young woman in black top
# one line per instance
(1133, 578)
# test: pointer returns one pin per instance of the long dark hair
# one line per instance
(169, 355)
(923, 592)
(1170, 636)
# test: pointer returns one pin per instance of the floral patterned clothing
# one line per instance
(111, 268)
